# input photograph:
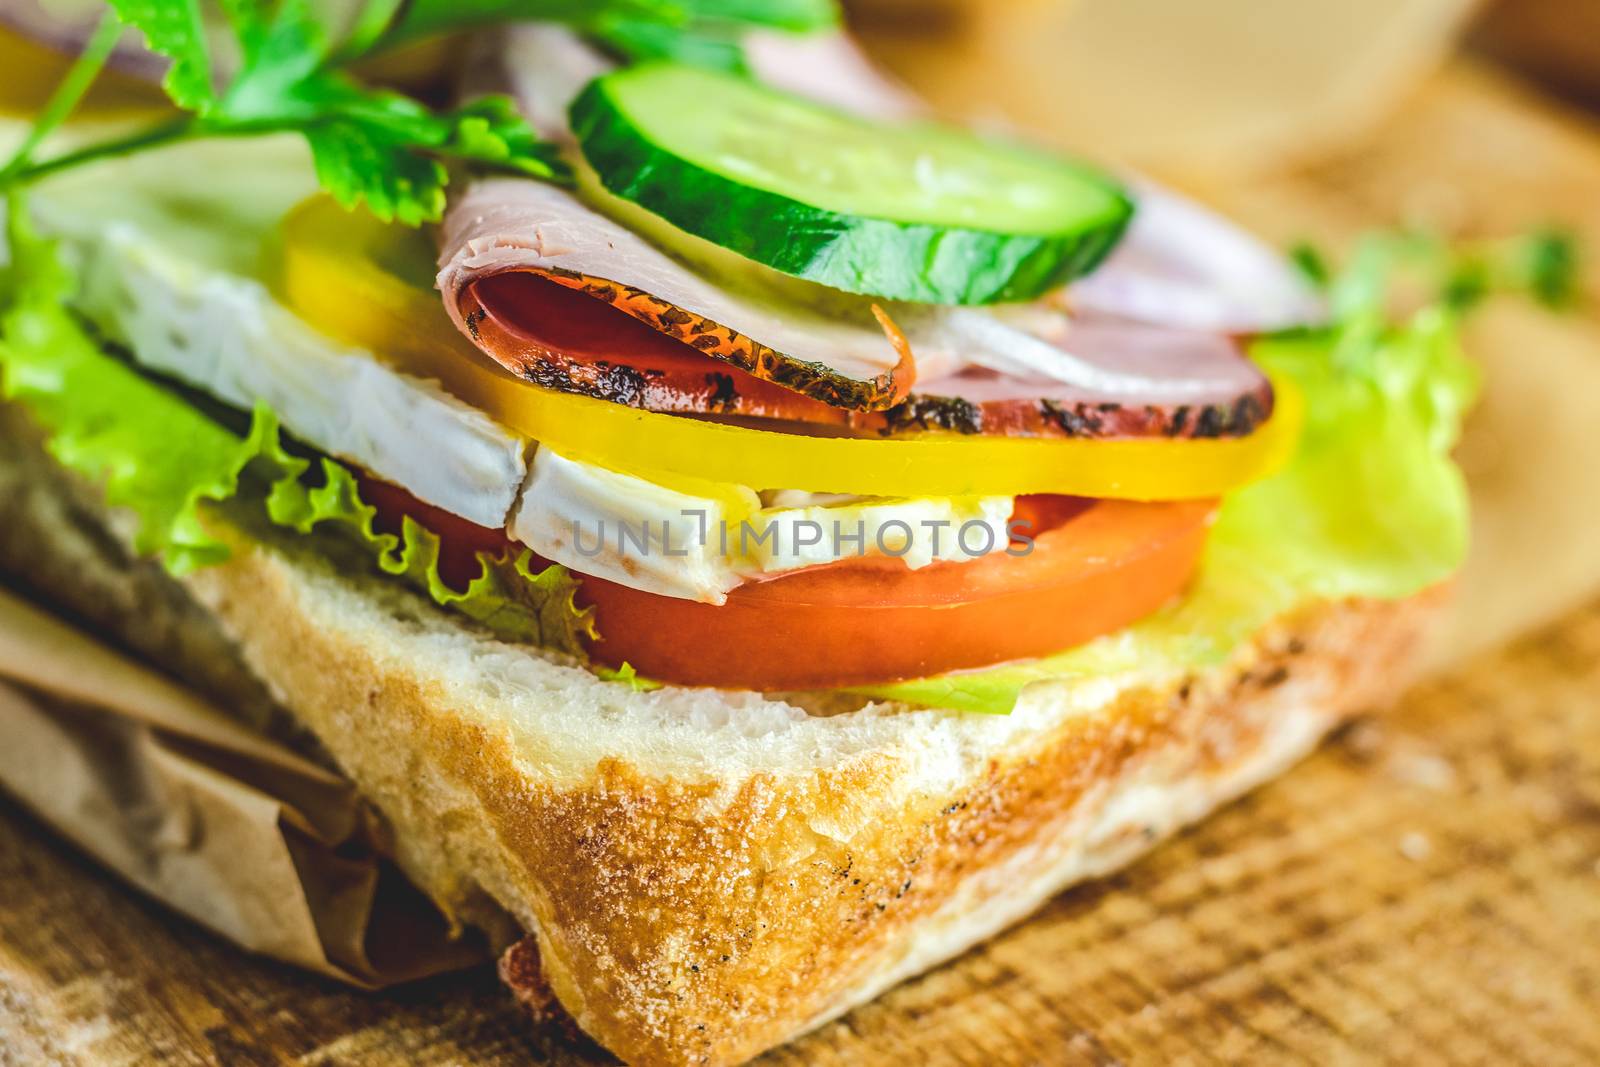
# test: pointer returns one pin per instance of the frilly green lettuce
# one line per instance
(507, 596)
(154, 453)
(159, 457)
(628, 676)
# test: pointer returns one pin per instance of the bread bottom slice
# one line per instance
(706, 874)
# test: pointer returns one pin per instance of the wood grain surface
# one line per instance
(1426, 889)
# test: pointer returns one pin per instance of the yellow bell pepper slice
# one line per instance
(370, 285)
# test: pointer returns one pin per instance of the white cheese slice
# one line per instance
(629, 530)
(172, 247)
(227, 336)
(700, 541)
(918, 532)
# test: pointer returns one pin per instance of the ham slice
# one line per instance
(850, 357)
(546, 65)
(543, 65)
(1181, 265)
(1138, 381)
(831, 69)
(790, 350)
(1134, 380)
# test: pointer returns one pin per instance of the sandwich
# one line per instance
(750, 541)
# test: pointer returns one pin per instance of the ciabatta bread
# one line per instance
(710, 874)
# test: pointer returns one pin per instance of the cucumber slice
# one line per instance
(904, 212)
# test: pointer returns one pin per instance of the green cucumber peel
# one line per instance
(904, 212)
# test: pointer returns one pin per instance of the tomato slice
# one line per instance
(1093, 568)
(872, 621)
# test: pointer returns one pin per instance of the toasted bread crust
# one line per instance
(701, 918)
(704, 921)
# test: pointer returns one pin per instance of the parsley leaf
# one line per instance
(794, 15)
(175, 29)
(368, 145)
(1421, 267)
(283, 48)
(1312, 264)
(374, 146)
(628, 676)
(703, 33)
(1550, 263)
(420, 17)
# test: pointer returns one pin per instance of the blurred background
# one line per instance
(1224, 84)
(1316, 121)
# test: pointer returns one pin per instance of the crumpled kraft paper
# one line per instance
(235, 831)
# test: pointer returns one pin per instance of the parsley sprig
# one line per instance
(369, 145)
(419, 17)
(372, 145)
(1418, 267)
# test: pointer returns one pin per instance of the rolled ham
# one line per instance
(830, 68)
(1181, 265)
(791, 350)
(1043, 375)
(506, 225)
(1136, 380)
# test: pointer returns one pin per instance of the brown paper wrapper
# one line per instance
(237, 832)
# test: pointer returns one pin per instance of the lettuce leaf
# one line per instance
(1371, 505)
(161, 458)
(507, 596)
(154, 453)
(628, 676)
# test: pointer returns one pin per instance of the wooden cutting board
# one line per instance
(1425, 889)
